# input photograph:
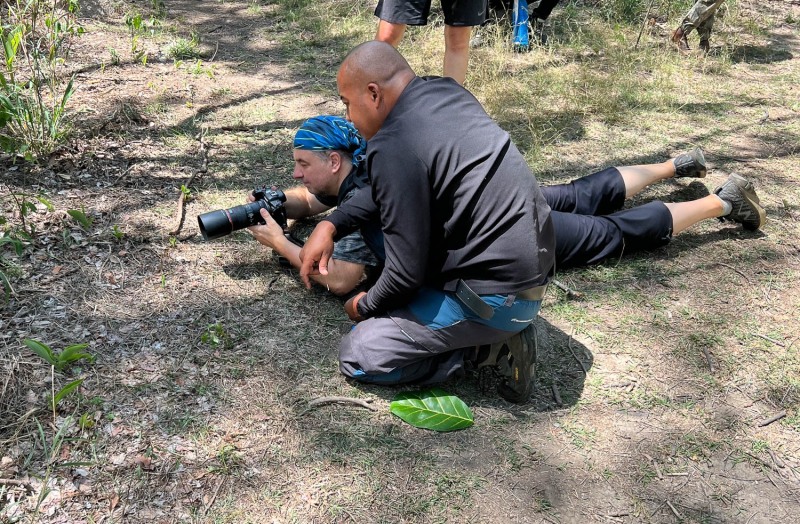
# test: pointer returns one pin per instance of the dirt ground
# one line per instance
(657, 389)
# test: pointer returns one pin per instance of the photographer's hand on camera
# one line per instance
(270, 234)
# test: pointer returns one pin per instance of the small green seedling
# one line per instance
(59, 361)
(81, 217)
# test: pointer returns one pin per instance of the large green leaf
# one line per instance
(42, 350)
(66, 390)
(432, 409)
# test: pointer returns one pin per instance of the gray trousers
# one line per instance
(701, 17)
(427, 341)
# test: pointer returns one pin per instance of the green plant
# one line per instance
(187, 193)
(215, 335)
(117, 232)
(183, 48)
(137, 27)
(61, 360)
(81, 217)
(228, 460)
(17, 235)
(114, 56)
(36, 37)
(86, 422)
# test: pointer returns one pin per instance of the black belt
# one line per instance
(473, 301)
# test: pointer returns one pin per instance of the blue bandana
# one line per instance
(330, 133)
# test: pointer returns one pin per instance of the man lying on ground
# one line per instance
(589, 226)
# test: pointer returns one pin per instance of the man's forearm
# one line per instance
(301, 204)
(342, 276)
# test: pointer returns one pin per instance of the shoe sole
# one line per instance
(519, 374)
(701, 159)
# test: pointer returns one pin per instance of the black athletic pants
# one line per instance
(590, 227)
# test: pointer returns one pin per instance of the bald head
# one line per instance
(371, 79)
(376, 62)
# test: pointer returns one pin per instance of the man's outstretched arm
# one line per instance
(342, 277)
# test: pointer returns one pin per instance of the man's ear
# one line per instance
(336, 160)
(375, 93)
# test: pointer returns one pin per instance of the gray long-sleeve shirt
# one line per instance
(455, 200)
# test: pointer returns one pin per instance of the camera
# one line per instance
(216, 224)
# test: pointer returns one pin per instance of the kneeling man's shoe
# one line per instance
(518, 366)
(692, 164)
(747, 208)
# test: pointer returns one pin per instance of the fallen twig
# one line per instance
(123, 175)
(15, 482)
(571, 293)
(181, 209)
(765, 337)
(655, 465)
(708, 359)
(675, 511)
(583, 366)
(776, 459)
(762, 461)
(364, 403)
(214, 496)
(770, 420)
(557, 396)
(733, 269)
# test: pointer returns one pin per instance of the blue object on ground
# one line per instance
(521, 36)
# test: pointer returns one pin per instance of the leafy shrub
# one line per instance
(35, 41)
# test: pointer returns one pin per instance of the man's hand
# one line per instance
(351, 307)
(268, 234)
(317, 252)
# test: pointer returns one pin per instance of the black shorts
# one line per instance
(415, 12)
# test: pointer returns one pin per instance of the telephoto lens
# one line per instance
(216, 224)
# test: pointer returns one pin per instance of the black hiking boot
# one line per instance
(747, 208)
(514, 362)
(692, 164)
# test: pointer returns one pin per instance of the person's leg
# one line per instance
(636, 178)
(686, 214)
(395, 15)
(460, 16)
(424, 342)
(390, 33)
(456, 52)
(605, 192)
(700, 11)
(596, 194)
(585, 240)
(735, 201)
(704, 30)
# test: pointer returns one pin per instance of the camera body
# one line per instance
(272, 200)
(216, 224)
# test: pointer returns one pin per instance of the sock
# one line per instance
(727, 207)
